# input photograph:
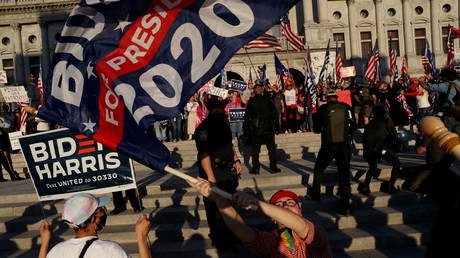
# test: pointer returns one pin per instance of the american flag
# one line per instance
(372, 65)
(453, 34)
(323, 73)
(294, 41)
(40, 88)
(264, 41)
(310, 87)
(405, 72)
(23, 118)
(338, 62)
(393, 66)
(427, 62)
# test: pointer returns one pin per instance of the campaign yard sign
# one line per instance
(238, 85)
(62, 163)
(236, 114)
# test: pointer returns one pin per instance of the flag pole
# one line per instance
(252, 65)
(194, 181)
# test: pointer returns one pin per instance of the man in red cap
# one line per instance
(295, 235)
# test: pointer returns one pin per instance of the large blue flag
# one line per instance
(121, 65)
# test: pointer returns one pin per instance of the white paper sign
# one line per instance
(219, 92)
(3, 78)
(14, 94)
(14, 140)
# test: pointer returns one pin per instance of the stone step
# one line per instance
(293, 172)
(328, 203)
(353, 239)
(179, 217)
(410, 252)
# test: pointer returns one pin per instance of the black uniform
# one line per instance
(335, 144)
(213, 137)
(380, 136)
(261, 120)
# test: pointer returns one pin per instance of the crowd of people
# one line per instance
(334, 110)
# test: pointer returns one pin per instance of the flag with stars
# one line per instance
(121, 65)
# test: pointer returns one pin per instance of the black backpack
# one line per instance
(336, 124)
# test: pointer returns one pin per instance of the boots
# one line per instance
(363, 188)
(344, 206)
(388, 187)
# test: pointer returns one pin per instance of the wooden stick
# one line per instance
(194, 180)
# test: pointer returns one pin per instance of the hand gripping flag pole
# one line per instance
(194, 180)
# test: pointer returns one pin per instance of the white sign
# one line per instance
(14, 140)
(14, 94)
(317, 59)
(3, 78)
(219, 92)
(349, 71)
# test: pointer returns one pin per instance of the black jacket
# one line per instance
(261, 116)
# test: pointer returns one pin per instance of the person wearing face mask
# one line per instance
(219, 164)
(294, 236)
(86, 215)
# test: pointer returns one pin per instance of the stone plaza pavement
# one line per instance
(380, 225)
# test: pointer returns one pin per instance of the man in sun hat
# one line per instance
(86, 215)
(295, 236)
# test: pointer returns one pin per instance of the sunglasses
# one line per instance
(288, 203)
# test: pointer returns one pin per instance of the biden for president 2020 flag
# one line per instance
(121, 65)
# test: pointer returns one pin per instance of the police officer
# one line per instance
(219, 164)
(334, 122)
(260, 122)
(380, 142)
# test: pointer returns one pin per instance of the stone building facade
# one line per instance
(29, 30)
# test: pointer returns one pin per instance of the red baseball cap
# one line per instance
(283, 193)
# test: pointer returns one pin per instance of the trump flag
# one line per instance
(121, 65)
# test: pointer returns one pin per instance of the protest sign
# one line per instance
(219, 92)
(14, 94)
(236, 114)
(14, 140)
(344, 96)
(238, 85)
(3, 77)
(346, 72)
(62, 163)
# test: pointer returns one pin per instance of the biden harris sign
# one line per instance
(63, 162)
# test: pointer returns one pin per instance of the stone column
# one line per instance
(436, 31)
(45, 57)
(308, 11)
(408, 32)
(354, 34)
(18, 54)
(382, 36)
(322, 11)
